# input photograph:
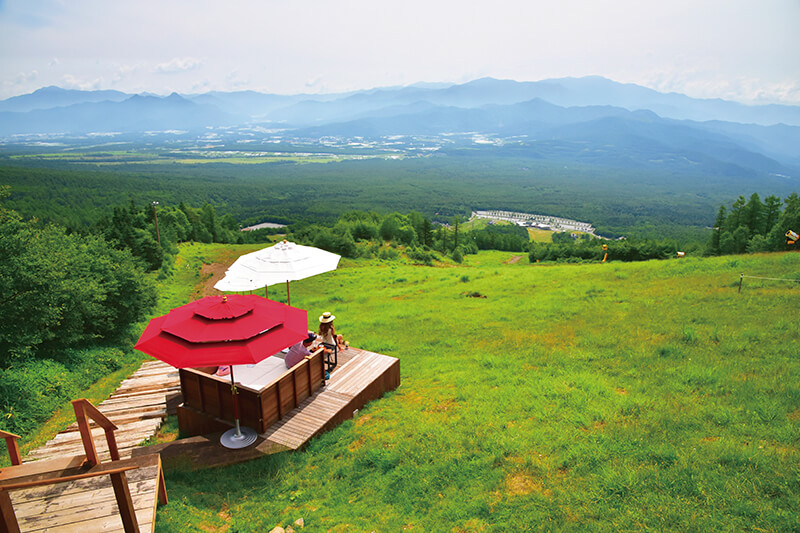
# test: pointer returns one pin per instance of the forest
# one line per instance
(754, 226)
(655, 204)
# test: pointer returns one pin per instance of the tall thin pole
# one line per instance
(288, 298)
(235, 393)
(155, 215)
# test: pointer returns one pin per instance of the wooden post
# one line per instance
(278, 396)
(294, 388)
(162, 487)
(308, 370)
(741, 278)
(8, 520)
(84, 410)
(124, 502)
(86, 433)
(13, 447)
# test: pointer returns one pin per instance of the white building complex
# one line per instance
(536, 221)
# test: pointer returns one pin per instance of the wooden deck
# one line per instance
(138, 408)
(363, 377)
(88, 505)
(360, 377)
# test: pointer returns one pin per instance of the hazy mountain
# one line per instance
(567, 92)
(606, 135)
(591, 119)
(135, 114)
(254, 104)
(49, 97)
(312, 110)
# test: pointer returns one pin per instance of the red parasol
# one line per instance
(224, 330)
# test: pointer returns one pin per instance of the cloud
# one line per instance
(702, 83)
(123, 72)
(202, 86)
(236, 80)
(26, 77)
(68, 81)
(177, 65)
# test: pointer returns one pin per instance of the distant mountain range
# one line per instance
(591, 118)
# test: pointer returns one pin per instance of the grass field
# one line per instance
(540, 235)
(606, 397)
(535, 234)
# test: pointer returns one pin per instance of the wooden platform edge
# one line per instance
(388, 381)
(205, 451)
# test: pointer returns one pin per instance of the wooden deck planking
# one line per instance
(360, 377)
(87, 505)
(317, 412)
(138, 408)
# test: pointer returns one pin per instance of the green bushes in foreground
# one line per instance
(68, 301)
(31, 390)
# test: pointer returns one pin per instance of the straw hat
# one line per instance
(326, 317)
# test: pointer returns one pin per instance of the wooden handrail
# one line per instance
(63, 470)
(85, 410)
(119, 482)
(13, 447)
(95, 414)
(69, 469)
(74, 477)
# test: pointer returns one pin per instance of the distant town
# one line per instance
(530, 220)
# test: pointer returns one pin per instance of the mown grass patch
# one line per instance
(586, 397)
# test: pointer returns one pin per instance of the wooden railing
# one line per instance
(61, 470)
(210, 395)
(84, 411)
(13, 447)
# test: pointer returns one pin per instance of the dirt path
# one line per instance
(211, 274)
(513, 260)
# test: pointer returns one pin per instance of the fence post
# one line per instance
(8, 520)
(741, 278)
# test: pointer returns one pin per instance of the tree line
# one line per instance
(68, 302)
(586, 248)
(754, 225)
(71, 297)
(368, 234)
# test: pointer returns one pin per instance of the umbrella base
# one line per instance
(231, 440)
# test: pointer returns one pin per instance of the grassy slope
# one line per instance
(593, 397)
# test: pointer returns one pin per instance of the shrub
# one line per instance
(62, 290)
(421, 256)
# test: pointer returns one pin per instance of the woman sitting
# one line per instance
(327, 333)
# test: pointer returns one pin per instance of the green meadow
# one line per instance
(595, 397)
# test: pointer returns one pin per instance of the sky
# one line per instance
(739, 50)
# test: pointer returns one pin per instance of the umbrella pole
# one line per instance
(288, 298)
(236, 438)
(235, 405)
(266, 291)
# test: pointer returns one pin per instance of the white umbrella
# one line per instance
(234, 283)
(283, 262)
